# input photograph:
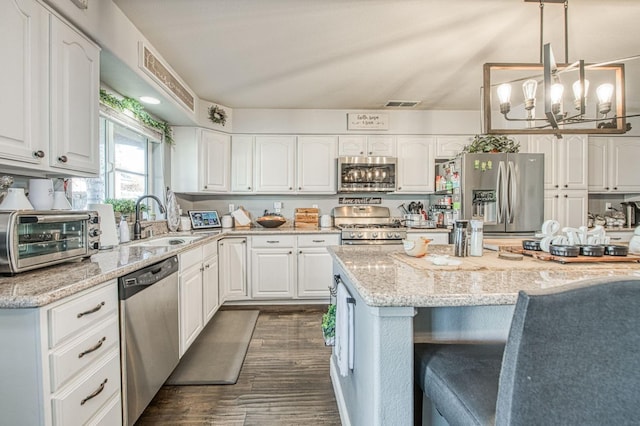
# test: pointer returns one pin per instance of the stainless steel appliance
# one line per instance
(505, 191)
(366, 174)
(148, 333)
(31, 239)
(368, 225)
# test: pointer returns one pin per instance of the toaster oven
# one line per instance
(31, 239)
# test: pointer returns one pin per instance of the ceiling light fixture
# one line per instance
(149, 100)
(517, 115)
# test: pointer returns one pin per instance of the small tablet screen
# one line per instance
(201, 219)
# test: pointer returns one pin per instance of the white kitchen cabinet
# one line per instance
(199, 299)
(24, 83)
(613, 164)
(200, 160)
(275, 164)
(316, 164)
(448, 147)
(210, 288)
(361, 145)
(75, 87)
(273, 266)
(233, 269)
(415, 172)
(191, 312)
(565, 160)
(44, 376)
(50, 87)
(568, 207)
(242, 164)
(315, 265)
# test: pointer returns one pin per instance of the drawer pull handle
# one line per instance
(95, 393)
(318, 241)
(63, 159)
(273, 241)
(94, 348)
(91, 311)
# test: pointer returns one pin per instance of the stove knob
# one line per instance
(396, 235)
(374, 235)
(360, 234)
(352, 234)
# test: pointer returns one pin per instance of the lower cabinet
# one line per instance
(60, 364)
(315, 265)
(272, 266)
(198, 292)
(233, 269)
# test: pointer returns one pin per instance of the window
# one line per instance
(131, 165)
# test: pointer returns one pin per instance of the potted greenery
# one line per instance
(124, 206)
(329, 325)
(492, 143)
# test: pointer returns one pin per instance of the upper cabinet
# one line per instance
(448, 147)
(565, 160)
(613, 163)
(200, 161)
(283, 164)
(361, 145)
(317, 164)
(50, 87)
(275, 164)
(416, 165)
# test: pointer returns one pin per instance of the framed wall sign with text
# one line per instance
(368, 121)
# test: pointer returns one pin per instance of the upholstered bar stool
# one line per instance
(572, 358)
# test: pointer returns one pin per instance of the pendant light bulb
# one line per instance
(604, 92)
(504, 95)
(529, 88)
(578, 93)
(557, 90)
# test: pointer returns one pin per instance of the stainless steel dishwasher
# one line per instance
(148, 333)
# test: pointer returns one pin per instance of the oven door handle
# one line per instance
(53, 218)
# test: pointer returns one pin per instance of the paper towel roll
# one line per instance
(109, 235)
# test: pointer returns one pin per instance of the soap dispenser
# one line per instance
(124, 230)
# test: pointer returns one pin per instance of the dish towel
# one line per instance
(344, 330)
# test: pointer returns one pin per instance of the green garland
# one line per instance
(138, 112)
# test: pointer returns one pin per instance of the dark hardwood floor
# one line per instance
(284, 380)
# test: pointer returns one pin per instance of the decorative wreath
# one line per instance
(217, 115)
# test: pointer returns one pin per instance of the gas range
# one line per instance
(368, 225)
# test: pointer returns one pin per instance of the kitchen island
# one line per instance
(400, 300)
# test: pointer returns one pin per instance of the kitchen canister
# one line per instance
(325, 221)
(15, 199)
(227, 221)
(41, 193)
(60, 201)
(475, 243)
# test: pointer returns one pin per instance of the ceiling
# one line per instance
(359, 54)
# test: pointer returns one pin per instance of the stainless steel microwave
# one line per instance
(31, 239)
(366, 174)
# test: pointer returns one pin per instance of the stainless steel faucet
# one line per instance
(137, 227)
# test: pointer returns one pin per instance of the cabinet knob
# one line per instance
(556, 186)
(38, 154)
(300, 252)
(615, 188)
(290, 189)
(299, 188)
(606, 187)
(370, 152)
(248, 187)
(566, 186)
(566, 196)
(361, 152)
(399, 188)
(290, 252)
(557, 196)
(63, 159)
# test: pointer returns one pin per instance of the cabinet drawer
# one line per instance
(111, 414)
(70, 317)
(319, 240)
(81, 400)
(78, 354)
(264, 241)
(190, 258)
(209, 250)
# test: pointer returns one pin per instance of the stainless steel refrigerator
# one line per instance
(506, 191)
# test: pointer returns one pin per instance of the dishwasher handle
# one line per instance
(132, 283)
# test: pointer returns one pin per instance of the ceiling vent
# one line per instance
(401, 104)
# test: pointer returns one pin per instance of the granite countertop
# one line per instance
(43, 286)
(386, 276)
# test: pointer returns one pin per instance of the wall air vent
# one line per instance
(401, 104)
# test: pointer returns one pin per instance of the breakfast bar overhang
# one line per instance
(400, 300)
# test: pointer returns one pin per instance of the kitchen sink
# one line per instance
(174, 240)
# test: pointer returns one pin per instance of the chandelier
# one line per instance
(544, 86)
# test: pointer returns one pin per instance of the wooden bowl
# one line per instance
(271, 221)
